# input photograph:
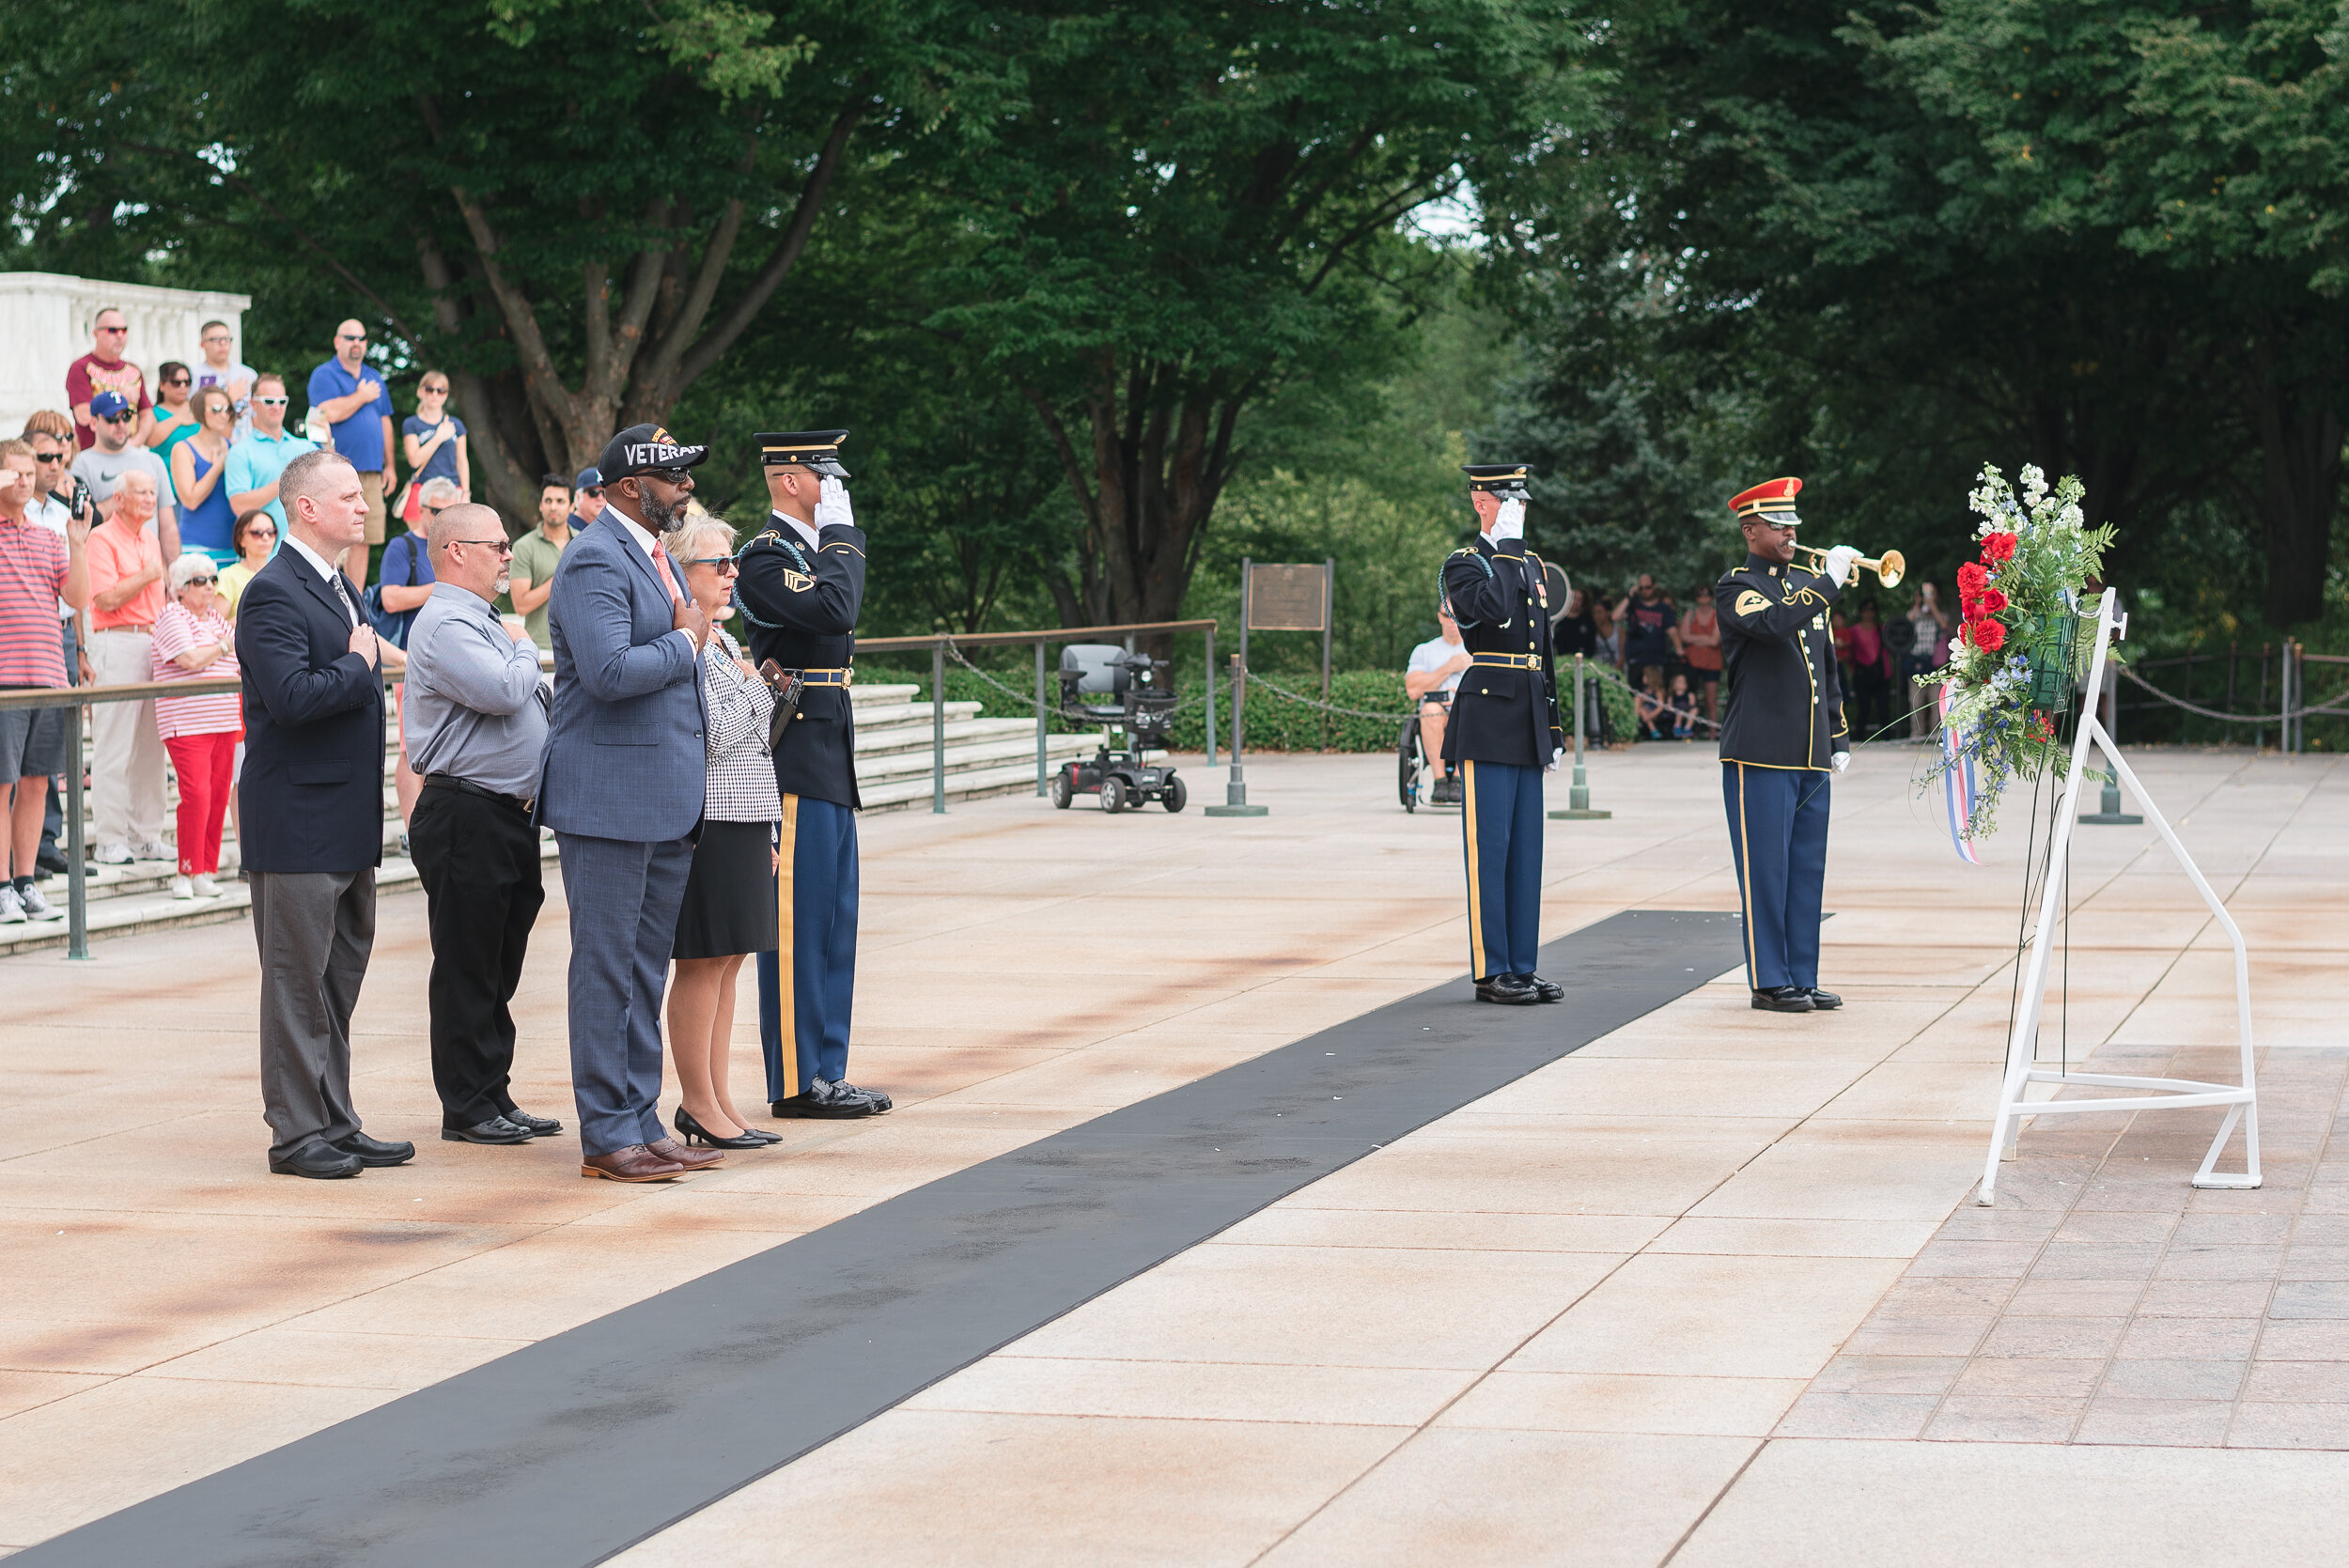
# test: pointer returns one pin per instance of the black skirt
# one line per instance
(729, 902)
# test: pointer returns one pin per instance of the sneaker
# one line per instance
(152, 850)
(36, 907)
(114, 854)
(11, 906)
(182, 888)
(205, 887)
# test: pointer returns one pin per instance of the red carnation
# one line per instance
(1991, 601)
(1997, 547)
(1986, 634)
(1971, 579)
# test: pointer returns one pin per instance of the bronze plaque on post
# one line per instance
(1286, 598)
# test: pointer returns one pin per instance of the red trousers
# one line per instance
(203, 763)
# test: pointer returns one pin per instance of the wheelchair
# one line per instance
(1416, 772)
(1133, 724)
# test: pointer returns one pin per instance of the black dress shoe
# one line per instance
(689, 1127)
(374, 1151)
(497, 1130)
(1782, 999)
(320, 1161)
(50, 863)
(879, 1097)
(826, 1101)
(1509, 990)
(1825, 1002)
(1548, 991)
(537, 1126)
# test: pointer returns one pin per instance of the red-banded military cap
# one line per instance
(1773, 501)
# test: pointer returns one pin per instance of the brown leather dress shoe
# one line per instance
(692, 1159)
(635, 1163)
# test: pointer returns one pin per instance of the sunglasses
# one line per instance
(434, 511)
(593, 491)
(270, 402)
(351, 337)
(200, 582)
(114, 332)
(177, 381)
(503, 547)
(675, 477)
(726, 564)
(48, 457)
(260, 533)
(120, 418)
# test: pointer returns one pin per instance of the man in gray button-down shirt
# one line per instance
(476, 722)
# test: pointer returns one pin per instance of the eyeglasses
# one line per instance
(219, 338)
(725, 565)
(270, 402)
(504, 547)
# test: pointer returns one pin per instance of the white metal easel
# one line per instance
(2169, 1093)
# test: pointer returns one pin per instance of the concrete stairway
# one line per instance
(984, 756)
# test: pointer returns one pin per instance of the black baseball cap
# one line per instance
(643, 448)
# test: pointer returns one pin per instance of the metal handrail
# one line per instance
(937, 643)
(77, 883)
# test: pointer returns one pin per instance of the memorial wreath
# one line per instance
(2022, 648)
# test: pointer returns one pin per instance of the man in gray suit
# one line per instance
(622, 789)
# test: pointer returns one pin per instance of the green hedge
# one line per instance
(1274, 722)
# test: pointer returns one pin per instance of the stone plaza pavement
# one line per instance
(1708, 1291)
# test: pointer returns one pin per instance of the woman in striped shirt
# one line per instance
(192, 641)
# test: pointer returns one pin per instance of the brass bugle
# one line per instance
(1890, 568)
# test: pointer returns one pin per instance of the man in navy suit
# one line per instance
(311, 802)
(622, 789)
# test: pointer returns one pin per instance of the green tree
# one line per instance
(1180, 213)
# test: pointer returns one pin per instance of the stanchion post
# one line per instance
(1211, 695)
(938, 728)
(1235, 784)
(76, 849)
(2108, 813)
(1041, 769)
(1578, 796)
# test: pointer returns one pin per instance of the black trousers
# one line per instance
(478, 860)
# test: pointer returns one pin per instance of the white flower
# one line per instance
(2035, 480)
(2071, 517)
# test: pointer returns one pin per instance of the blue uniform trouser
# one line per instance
(813, 982)
(1501, 826)
(1777, 832)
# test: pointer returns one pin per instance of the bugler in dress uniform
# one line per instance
(1782, 739)
(801, 584)
(1505, 731)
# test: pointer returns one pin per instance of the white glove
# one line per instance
(1510, 524)
(1557, 756)
(1841, 760)
(831, 504)
(1839, 563)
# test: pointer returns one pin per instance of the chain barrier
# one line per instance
(1027, 699)
(1604, 673)
(2138, 680)
(1300, 698)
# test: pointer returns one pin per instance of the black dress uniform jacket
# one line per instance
(801, 605)
(1785, 706)
(1506, 706)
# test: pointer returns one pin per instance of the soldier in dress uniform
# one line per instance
(1505, 731)
(801, 584)
(1782, 739)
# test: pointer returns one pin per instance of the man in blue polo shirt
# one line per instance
(354, 401)
(262, 454)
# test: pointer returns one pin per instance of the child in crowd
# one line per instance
(1682, 704)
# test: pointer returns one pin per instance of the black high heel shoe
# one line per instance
(692, 1131)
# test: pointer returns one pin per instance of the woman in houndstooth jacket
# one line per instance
(729, 907)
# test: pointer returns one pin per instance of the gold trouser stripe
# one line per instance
(1476, 904)
(786, 854)
(1745, 881)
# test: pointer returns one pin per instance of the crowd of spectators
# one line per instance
(1669, 653)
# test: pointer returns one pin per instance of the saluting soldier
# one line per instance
(1505, 731)
(801, 583)
(1782, 739)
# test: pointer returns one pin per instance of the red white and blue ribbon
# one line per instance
(1957, 780)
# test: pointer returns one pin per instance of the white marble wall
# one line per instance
(45, 323)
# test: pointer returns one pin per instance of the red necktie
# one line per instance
(661, 560)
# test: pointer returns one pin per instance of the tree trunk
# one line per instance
(2300, 434)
